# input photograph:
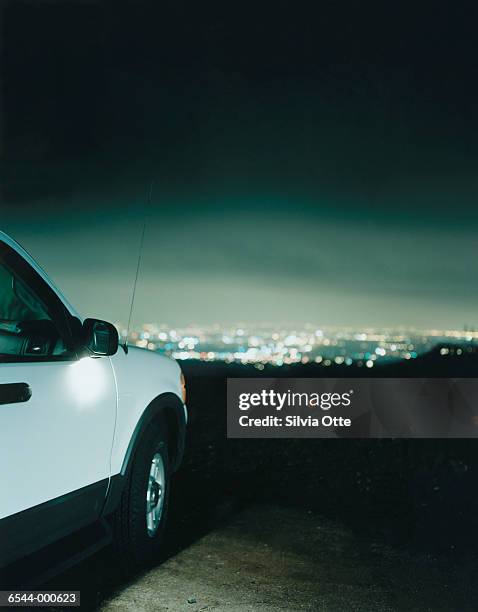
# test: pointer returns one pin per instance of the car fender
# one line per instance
(147, 383)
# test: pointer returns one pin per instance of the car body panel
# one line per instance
(60, 439)
(141, 376)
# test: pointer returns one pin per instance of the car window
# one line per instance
(27, 328)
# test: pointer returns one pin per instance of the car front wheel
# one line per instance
(140, 519)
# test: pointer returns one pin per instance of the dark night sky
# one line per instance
(312, 161)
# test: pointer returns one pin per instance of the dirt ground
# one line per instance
(275, 558)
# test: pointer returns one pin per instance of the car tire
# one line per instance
(138, 530)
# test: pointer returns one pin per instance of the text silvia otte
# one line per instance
(294, 421)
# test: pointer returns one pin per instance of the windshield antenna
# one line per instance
(138, 266)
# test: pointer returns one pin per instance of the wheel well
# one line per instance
(168, 414)
(164, 407)
(170, 410)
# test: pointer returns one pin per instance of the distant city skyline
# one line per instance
(265, 344)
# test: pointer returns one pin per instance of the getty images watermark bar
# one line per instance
(352, 407)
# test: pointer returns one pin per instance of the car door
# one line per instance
(57, 415)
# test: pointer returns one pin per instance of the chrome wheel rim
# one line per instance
(155, 494)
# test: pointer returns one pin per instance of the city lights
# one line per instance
(266, 345)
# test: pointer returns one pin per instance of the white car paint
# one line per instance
(141, 375)
(60, 440)
(77, 426)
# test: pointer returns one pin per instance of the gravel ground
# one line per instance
(275, 558)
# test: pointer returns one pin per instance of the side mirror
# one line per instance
(100, 337)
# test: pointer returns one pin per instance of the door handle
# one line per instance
(15, 393)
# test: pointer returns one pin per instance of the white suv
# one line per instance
(89, 432)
